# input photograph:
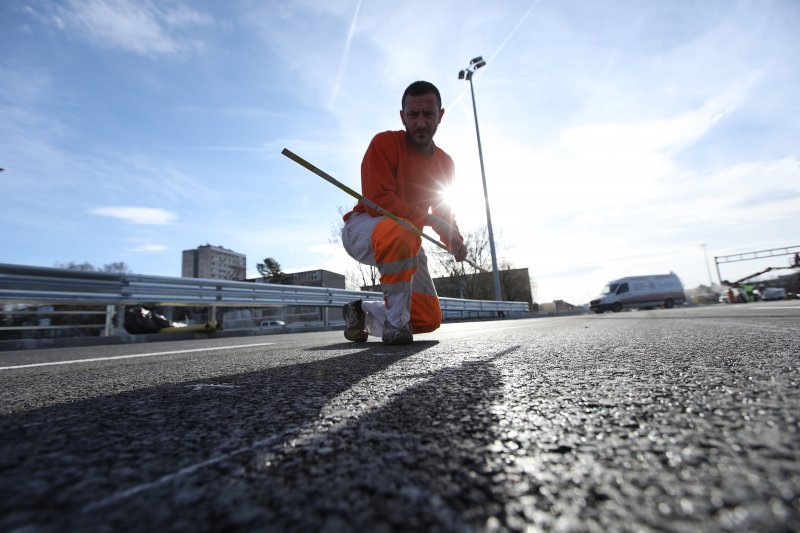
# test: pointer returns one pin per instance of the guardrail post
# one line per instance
(109, 329)
(120, 320)
(212, 316)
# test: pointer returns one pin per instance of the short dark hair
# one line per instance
(421, 88)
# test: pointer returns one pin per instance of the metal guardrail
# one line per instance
(20, 284)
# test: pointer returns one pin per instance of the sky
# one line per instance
(619, 137)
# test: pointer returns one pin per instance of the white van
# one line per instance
(661, 290)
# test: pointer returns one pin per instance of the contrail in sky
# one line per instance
(343, 63)
(510, 35)
(502, 45)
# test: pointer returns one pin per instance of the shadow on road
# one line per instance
(377, 348)
(425, 460)
(61, 459)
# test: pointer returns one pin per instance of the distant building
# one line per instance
(515, 285)
(311, 315)
(560, 307)
(312, 278)
(318, 278)
(214, 262)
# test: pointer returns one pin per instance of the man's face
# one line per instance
(421, 116)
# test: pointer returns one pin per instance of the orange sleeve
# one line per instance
(379, 181)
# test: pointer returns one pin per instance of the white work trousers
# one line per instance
(409, 293)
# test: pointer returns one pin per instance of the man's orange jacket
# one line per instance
(404, 181)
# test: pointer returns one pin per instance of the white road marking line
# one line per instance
(294, 438)
(332, 417)
(132, 356)
(788, 328)
(203, 386)
(163, 480)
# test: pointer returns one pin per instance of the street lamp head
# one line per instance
(474, 64)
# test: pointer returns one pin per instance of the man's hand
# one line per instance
(460, 252)
(450, 235)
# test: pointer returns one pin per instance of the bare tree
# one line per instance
(442, 263)
(460, 280)
(72, 265)
(118, 267)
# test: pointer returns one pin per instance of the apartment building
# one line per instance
(214, 262)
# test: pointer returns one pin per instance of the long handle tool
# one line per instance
(333, 181)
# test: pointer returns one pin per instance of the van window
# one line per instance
(622, 288)
(610, 288)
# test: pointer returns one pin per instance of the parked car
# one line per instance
(272, 324)
(773, 293)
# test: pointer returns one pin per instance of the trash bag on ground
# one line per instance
(140, 319)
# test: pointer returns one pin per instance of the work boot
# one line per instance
(355, 328)
(393, 335)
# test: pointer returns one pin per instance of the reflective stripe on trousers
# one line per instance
(408, 290)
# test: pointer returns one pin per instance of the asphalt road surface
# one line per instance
(666, 420)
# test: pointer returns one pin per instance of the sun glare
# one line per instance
(448, 197)
(454, 198)
(466, 204)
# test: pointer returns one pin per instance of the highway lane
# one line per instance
(681, 420)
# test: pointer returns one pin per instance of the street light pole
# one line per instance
(708, 269)
(467, 73)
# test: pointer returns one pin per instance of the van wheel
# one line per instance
(617, 307)
(669, 303)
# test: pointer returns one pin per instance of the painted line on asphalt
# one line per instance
(332, 417)
(119, 496)
(788, 328)
(132, 356)
(293, 439)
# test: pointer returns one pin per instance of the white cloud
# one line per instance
(345, 54)
(149, 248)
(140, 27)
(137, 215)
